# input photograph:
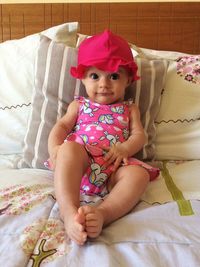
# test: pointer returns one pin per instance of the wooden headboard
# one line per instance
(164, 26)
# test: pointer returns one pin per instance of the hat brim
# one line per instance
(106, 65)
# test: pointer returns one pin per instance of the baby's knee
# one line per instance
(131, 173)
(137, 172)
(70, 146)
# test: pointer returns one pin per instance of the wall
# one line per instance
(87, 1)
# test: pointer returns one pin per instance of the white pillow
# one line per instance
(158, 54)
(178, 121)
(17, 67)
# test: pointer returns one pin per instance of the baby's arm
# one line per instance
(122, 151)
(137, 137)
(60, 130)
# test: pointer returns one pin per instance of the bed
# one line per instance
(38, 45)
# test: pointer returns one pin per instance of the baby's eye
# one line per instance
(114, 76)
(94, 76)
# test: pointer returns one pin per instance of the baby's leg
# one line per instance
(71, 163)
(126, 188)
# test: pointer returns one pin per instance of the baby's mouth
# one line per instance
(104, 93)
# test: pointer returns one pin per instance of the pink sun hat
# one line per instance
(105, 51)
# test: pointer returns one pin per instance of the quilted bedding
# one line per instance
(162, 230)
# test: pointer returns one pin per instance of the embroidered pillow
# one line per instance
(178, 121)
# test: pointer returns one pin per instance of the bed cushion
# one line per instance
(55, 89)
(17, 63)
(178, 121)
(146, 94)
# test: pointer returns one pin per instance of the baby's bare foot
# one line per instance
(75, 227)
(94, 220)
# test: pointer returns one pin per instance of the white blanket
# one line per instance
(153, 234)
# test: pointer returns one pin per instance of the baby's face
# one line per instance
(105, 87)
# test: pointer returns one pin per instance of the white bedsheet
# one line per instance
(157, 233)
(182, 176)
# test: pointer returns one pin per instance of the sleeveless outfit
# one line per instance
(97, 126)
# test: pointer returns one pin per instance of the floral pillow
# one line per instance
(178, 121)
(188, 67)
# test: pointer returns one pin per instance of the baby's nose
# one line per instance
(104, 82)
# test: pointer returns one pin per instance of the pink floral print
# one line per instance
(189, 68)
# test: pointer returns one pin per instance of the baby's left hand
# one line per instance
(115, 155)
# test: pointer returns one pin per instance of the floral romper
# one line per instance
(98, 126)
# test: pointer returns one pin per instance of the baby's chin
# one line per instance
(105, 100)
